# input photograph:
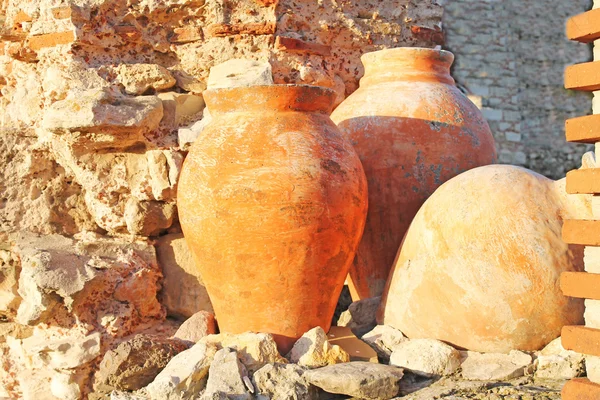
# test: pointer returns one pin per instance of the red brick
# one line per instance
(582, 181)
(584, 27)
(264, 28)
(583, 129)
(581, 339)
(584, 76)
(581, 285)
(579, 231)
(38, 42)
(580, 389)
(297, 45)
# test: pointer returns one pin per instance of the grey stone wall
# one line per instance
(510, 56)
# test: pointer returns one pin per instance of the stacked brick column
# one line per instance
(585, 339)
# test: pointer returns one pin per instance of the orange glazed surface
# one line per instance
(413, 130)
(272, 201)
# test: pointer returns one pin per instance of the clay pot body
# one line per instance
(272, 201)
(480, 265)
(413, 130)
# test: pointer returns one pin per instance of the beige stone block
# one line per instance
(592, 313)
(596, 206)
(592, 366)
(591, 259)
(588, 160)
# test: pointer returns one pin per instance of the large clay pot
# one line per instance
(480, 264)
(272, 201)
(413, 130)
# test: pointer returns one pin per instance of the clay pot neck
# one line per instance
(304, 98)
(407, 64)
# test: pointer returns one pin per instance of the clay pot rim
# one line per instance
(275, 85)
(439, 55)
(277, 97)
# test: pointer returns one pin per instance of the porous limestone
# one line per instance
(95, 100)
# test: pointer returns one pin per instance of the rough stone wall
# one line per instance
(510, 55)
(98, 101)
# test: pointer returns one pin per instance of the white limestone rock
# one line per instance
(185, 375)
(358, 379)
(135, 363)
(188, 135)
(119, 395)
(592, 366)
(139, 78)
(10, 268)
(226, 376)
(64, 274)
(313, 350)
(383, 338)
(45, 350)
(255, 350)
(116, 121)
(38, 194)
(283, 382)
(148, 218)
(360, 316)
(196, 327)
(240, 72)
(554, 362)
(63, 387)
(126, 191)
(592, 313)
(180, 108)
(49, 267)
(426, 357)
(494, 366)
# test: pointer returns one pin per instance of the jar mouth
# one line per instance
(286, 97)
(417, 62)
(399, 53)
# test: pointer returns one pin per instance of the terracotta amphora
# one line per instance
(413, 130)
(480, 265)
(272, 202)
